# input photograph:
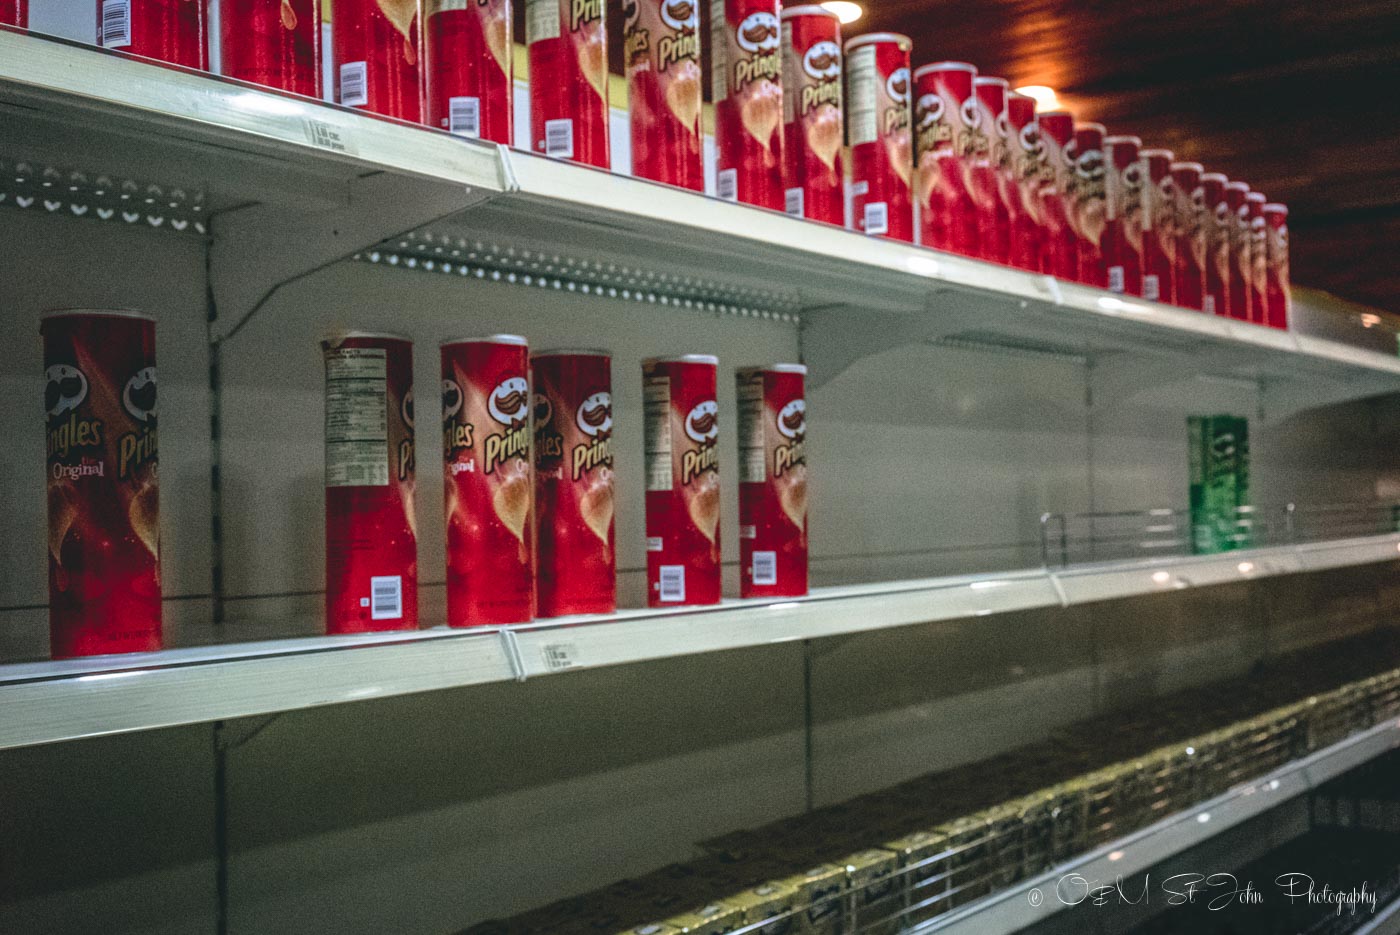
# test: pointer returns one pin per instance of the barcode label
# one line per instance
(558, 656)
(728, 184)
(765, 568)
(877, 217)
(386, 598)
(795, 201)
(115, 30)
(673, 582)
(464, 116)
(559, 138)
(354, 86)
(655, 544)
(748, 532)
(1115, 279)
(1151, 288)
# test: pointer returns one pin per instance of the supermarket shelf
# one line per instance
(47, 702)
(295, 184)
(1034, 900)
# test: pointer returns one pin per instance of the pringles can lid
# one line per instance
(710, 359)
(514, 339)
(87, 312)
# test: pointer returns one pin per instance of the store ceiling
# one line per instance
(1301, 98)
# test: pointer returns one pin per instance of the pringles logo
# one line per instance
(822, 63)
(897, 87)
(702, 427)
(509, 404)
(636, 43)
(973, 141)
(456, 435)
(65, 389)
(934, 131)
(138, 447)
(758, 35)
(594, 420)
(584, 11)
(406, 451)
(684, 17)
(792, 425)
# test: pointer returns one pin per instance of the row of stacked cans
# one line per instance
(528, 467)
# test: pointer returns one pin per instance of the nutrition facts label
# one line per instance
(792, 75)
(719, 52)
(752, 448)
(357, 429)
(656, 397)
(541, 20)
(861, 120)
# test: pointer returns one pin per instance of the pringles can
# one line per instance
(1256, 270)
(577, 545)
(945, 119)
(486, 404)
(172, 31)
(14, 13)
(378, 49)
(989, 168)
(681, 427)
(877, 128)
(1090, 203)
(470, 66)
(661, 48)
(1235, 222)
(772, 481)
(274, 44)
(371, 540)
(1158, 225)
(1276, 285)
(1061, 254)
(103, 482)
(813, 175)
(1123, 214)
(1189, 269)
(746, 75)
(1217, 224)
(1023, 181)
(568, 46)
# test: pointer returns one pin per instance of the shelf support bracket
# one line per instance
(835, 337)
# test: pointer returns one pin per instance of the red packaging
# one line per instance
(1090, 203)
(378, 46)
(577, 559)
(1189, 268)
(275, 44)
(103, 483)
(661, 46)
(168, 30)
(15, 13)
(1216, 224)
(813, 173)
(746, 77)
(1158, 225)
(1122, 235)
(486, 405)
(1276, 285)
(772, 481)
(1023, 180)
(1061, 254)
(1256, 270)
(989, 168)
(371, 542)
(946, 120)
(877, 125)
(470, 63)
(682, 457)
(1237, 268)
(568, 46)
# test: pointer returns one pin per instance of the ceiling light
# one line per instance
(1044, 95)
(845, 12)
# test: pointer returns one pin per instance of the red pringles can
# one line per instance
(568, 46)
(1090, 203)
(1236, 236)
(772, 481)
(746, 77)
(1023, 180)
(945, 123)
(275, 44)
(813, 175)
(989, 171)
(486, 404)
(1158, 225)
(371, 540)
(877, 128)
(577, 557)
(103, 482)
(470, 64)
(1276, 285)
(171, 31)
(14, 13)
(377, 46)
(1216, 224)
(1189, 268)
(1122, 233)
(682, 462)
(1061, 244)
(661, 48)
(1255, 271)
